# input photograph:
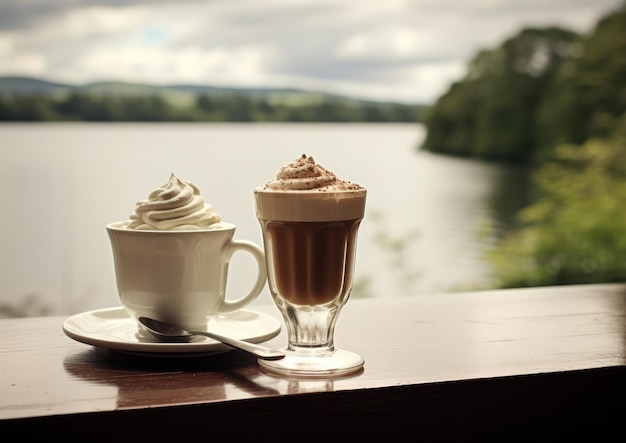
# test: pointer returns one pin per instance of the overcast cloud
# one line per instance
(401, 50)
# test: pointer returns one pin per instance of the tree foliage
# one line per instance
(538, 89)
(576, 231)
(587, 97)
(556, 101)
(229, 108)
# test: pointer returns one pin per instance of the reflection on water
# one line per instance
(511, 190)
(439, 244)
(67, 181)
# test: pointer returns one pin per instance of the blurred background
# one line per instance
(490, 134)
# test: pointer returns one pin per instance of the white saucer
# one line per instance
(113, 328)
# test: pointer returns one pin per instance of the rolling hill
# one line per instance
(32, 99)
(177, 94)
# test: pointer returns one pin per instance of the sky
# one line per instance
(406, 51)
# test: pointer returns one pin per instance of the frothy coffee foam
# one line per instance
(177, 205)
(304, 174)
(306, 191)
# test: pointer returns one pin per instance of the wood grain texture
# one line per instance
(524, 362)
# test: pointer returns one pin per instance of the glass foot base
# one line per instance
(338, 364)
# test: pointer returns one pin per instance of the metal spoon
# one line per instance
(167, 332)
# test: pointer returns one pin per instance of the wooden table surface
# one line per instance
(517, 364)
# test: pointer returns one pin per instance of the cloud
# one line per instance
(406, 50)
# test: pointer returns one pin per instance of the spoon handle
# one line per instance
(258, 350)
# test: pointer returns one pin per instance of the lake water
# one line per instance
(62, 183)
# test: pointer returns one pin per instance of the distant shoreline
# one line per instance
(110, 106)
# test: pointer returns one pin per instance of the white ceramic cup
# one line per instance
(179, 277)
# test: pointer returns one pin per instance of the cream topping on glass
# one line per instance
(304, 174)
(177, 205)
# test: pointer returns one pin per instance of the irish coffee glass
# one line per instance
(310, 257)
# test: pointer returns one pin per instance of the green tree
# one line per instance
(576, 231)
(452, 120)
(588, 95)
(490, 113)
(28, 108)
(205, 103)
(235, 107)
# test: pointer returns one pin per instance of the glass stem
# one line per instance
(310, 328)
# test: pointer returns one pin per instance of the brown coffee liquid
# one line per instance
(313, 262)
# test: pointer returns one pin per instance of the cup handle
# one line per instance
(261, 278)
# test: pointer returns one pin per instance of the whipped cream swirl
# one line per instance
(177, 205)
(304, 174)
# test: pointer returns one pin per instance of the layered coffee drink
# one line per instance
(310, 219)
(313, 261)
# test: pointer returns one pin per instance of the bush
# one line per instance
(575, 232)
